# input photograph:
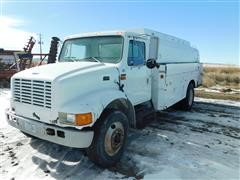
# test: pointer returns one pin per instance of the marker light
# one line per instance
(83, 119)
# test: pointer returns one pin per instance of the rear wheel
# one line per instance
(109, 138)
(187, 102)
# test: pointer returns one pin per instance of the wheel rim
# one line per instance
(114, 138)
(190, 99)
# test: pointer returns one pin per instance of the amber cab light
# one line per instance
(83, 119)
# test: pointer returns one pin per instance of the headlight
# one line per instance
(75, 119)
(70, 118)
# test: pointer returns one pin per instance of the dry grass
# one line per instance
(211, 95)
(226, 77)
(223, 76)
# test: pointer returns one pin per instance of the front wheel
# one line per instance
(109, 140)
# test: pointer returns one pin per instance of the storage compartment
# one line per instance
(170, 82)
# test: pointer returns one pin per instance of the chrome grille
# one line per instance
(32, 92)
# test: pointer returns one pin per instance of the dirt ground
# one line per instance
(201, 144)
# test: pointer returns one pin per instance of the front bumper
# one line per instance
(64, 136)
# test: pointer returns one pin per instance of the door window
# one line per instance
(136, 53)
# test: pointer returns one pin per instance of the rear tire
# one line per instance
(110, 133)
(187, 102)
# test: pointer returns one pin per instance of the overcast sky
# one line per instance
(212, 27)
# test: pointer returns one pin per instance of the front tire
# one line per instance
(109, 140)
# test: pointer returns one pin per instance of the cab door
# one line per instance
(138, 81)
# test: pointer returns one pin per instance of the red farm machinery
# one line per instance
(13, 61)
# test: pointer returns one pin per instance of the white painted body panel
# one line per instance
(170, 82)
(172, 49)
(138, 81)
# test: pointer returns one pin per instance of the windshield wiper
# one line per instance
(93, 58)
(71, 59)
(97, 60)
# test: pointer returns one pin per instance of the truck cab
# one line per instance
(89, 98)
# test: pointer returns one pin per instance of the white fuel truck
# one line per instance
(91, 97)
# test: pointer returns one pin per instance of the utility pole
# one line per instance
(40, 42)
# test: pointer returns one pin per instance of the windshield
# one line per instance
(100, 49)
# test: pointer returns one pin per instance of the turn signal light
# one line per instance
(83, 119)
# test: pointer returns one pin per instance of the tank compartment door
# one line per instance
(160, 94)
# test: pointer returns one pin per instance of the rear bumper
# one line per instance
(64, 136)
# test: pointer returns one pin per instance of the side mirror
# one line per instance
(151, 63)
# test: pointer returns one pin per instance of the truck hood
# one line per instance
(68, 81)
(50, 72)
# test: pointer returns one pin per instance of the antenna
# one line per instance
(40, 42)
